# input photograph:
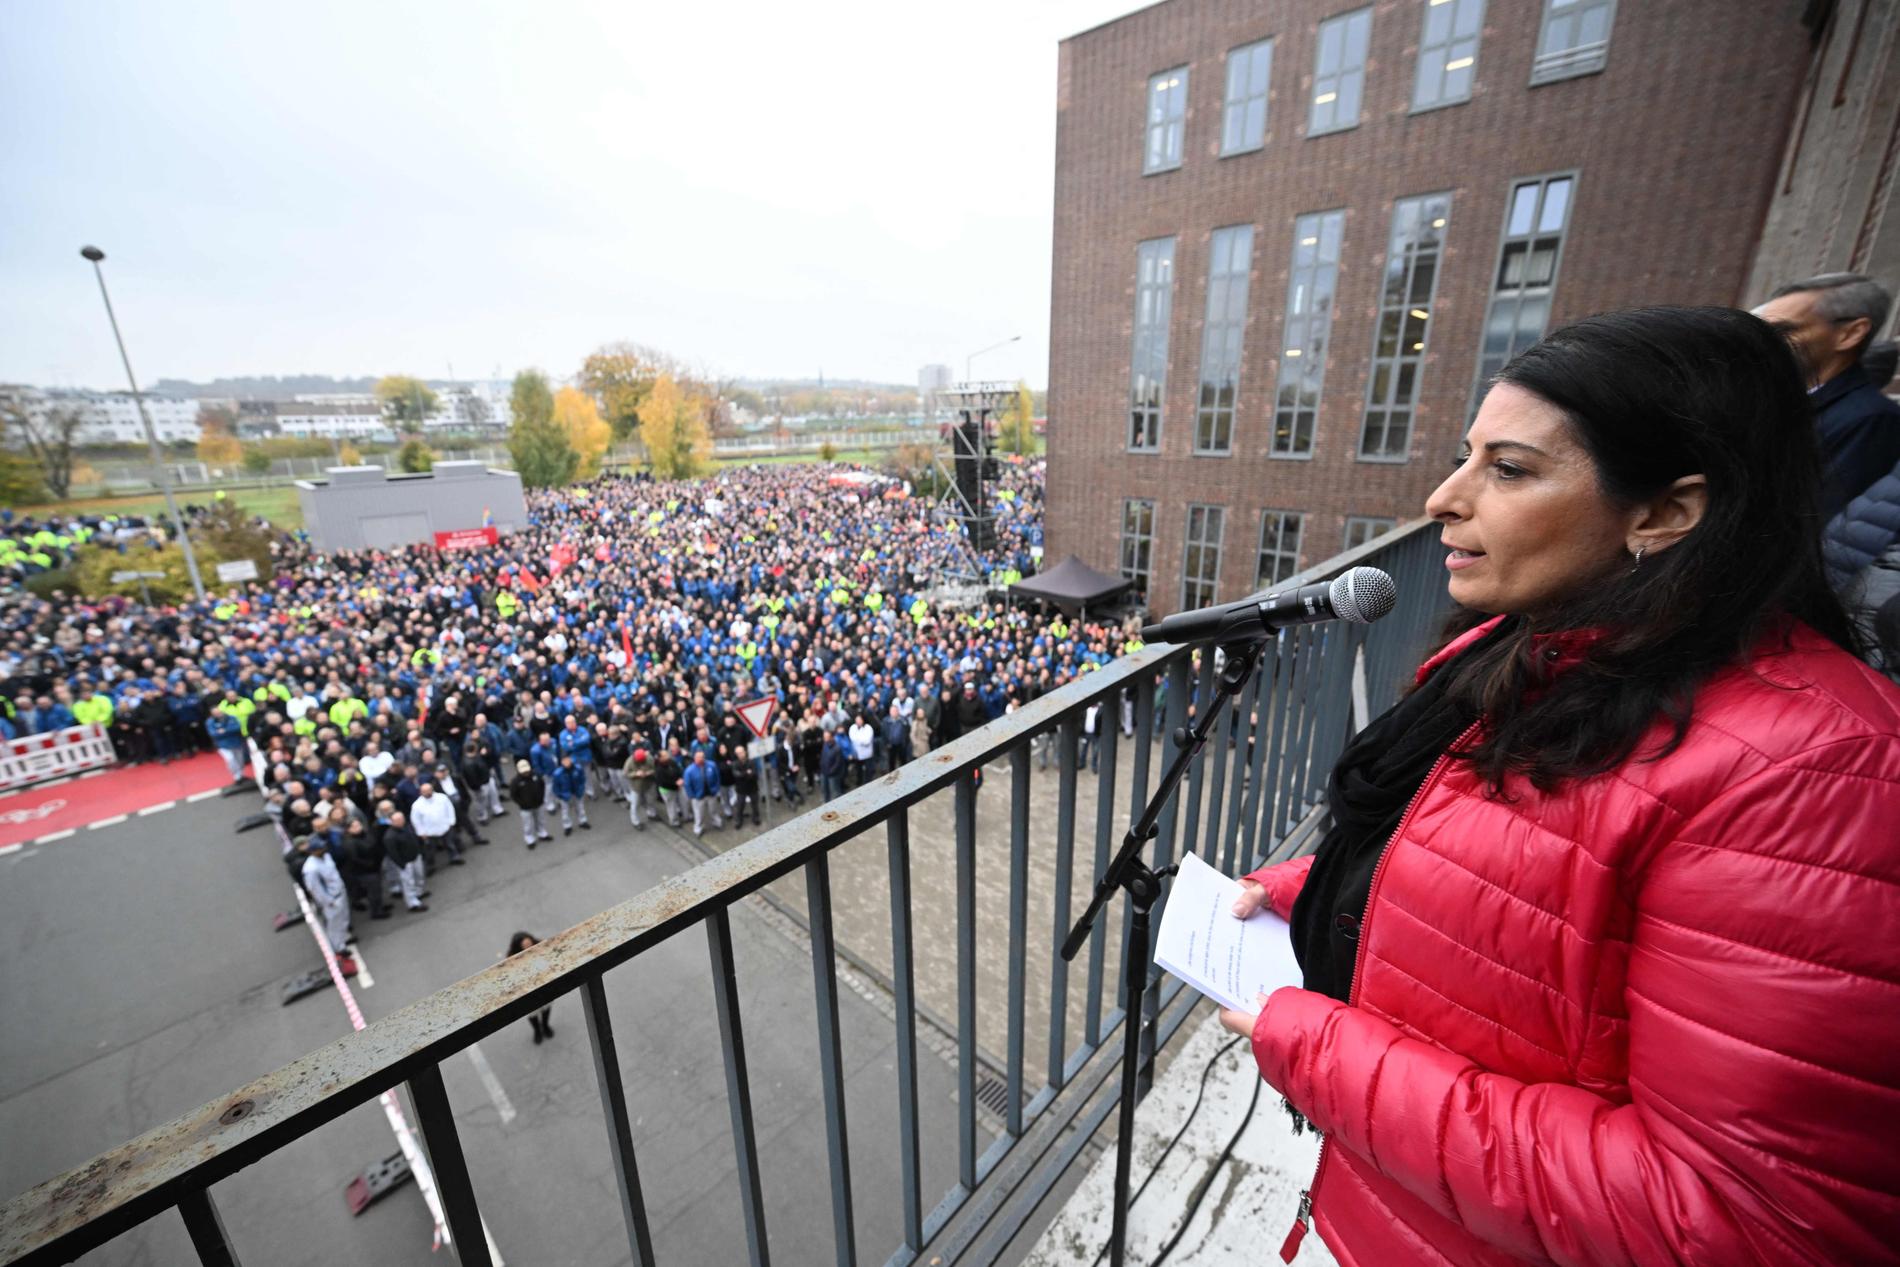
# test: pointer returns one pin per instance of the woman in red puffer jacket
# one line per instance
(1602, 950)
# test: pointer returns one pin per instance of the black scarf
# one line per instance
(1373, 782)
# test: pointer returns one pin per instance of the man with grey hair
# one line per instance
(1831, 320)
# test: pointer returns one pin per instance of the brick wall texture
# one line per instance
(1675, 145)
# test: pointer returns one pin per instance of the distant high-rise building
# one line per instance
(933, 378)
(1293, 242)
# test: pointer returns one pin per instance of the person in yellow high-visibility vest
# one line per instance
(345, 710)
(506, 604)
(235, 705)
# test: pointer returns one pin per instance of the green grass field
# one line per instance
(279, 505)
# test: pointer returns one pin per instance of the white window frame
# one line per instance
(1298, 321)
(1408, 256)
(1575, 60)
(1506, 239)
(1150, 343)
(1236, 107)
(1191, 580)
(1223, 338)
(1166, 121)
(1329, 86)
(1281, 520)
(1368, 526)
(1140, 543)
(1453, 54)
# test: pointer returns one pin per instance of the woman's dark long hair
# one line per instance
(1654, 394)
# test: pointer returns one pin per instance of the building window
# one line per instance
(1200, 561)
(1339, 74)
(1230, 257)
(1154, 302)
(1575, 39)
(1138, 544)
(1309, 322)
(1167, 116)
(1243, 124)
(1363, 528)
(1527, 272)
(1405, 316)
(1447, 53)
(1279, 546)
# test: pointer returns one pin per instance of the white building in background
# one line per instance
(933, 378)
(349, 400)
(473, 406)
(109, 417)
(331, 418)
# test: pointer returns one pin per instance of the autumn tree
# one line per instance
(20, 483)
(673, 427)
(49, 440)
(531, 398)
(217, 418)
(587, 433)
(540, 449)
(406, 401)
(348, 454)
(414, 457)
(1016, 433)
(217, 447)
(619, 376)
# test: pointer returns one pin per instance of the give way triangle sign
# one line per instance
(757, 714)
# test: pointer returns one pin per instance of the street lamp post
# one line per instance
(94, 254)
(1014, 338)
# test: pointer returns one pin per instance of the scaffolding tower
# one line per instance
(968, 466)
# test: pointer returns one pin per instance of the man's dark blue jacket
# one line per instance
(1859, 432)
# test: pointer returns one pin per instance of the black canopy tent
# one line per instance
(1072, 585)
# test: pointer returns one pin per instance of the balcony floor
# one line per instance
(1251, 1200)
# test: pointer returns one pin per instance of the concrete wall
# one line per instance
(1829, 213)
(366, 507)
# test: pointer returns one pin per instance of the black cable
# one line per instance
(1188, 1121)
(1194, 1206)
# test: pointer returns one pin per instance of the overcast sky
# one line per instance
(768, 189)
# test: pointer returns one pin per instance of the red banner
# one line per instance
(467, 538)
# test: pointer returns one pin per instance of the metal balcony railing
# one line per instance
(1244, 802)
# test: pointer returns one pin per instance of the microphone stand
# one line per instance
(1143, 886)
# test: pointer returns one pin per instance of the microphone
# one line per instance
(1360, 595)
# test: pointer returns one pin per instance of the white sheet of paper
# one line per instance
(1229, 960)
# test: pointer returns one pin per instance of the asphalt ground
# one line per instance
(140, 978)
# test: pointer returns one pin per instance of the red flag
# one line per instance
(626, 643)
(528, 582)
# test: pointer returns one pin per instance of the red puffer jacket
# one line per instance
(1650, 1017)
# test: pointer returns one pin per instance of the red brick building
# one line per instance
(1292, 239)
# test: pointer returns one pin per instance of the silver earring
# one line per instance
(1639, 559)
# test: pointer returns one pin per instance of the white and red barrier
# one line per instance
(53, 755)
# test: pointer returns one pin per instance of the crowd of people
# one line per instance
(402, 701)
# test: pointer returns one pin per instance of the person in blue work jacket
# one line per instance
(227, 736)
(577, 744)
(545, 758)
(702, 790)
(570, 788)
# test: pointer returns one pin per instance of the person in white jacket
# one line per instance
(324, 883)
(863, 749)
(433, 817)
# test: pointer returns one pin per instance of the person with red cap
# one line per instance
(639, 770)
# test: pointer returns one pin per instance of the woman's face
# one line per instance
(1524, 516)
